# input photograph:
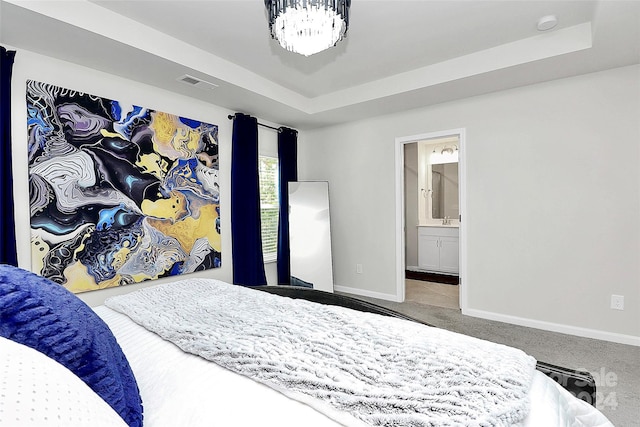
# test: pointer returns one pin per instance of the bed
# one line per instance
(292, 357)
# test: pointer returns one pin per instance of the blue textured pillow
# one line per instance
(45, 316)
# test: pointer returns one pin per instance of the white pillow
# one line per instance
(38, 391)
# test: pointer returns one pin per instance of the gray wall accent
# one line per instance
(553, 200)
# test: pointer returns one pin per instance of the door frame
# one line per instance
(400, 143)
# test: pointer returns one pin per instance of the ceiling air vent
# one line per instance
(196, 82)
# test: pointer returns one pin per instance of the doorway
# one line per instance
(420, 216)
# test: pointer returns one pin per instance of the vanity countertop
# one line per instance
(440, 225)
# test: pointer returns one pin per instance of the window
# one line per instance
(269, 208)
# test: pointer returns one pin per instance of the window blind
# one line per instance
(268, 177)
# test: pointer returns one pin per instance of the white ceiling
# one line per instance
(428, 52)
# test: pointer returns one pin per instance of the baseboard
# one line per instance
(366, 293)
(556, 327)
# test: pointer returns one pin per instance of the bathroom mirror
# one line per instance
(444, 191)
(310, 235)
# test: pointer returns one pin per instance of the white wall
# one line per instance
(33, 66)
(553, 201)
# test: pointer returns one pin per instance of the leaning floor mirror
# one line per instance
(310, 235)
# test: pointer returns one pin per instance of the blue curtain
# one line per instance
(8, 254)
(248, 263)
(288, 171)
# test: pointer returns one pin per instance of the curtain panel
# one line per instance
(288, 172)
(8, 252)
(248, 262)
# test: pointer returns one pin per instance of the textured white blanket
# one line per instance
(383, 371)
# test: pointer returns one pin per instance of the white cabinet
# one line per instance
(438, 249)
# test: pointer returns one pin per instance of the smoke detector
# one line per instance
(547, 23)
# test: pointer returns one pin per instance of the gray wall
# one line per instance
(553, 201)
(29, 65)
(553, 192)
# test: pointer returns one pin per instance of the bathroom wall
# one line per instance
(411, 200)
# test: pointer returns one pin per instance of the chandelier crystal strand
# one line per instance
(308, 26)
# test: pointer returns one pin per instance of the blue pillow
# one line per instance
(43, 315)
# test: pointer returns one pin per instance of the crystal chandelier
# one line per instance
(308, 26)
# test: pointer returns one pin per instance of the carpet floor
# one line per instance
(616, 367)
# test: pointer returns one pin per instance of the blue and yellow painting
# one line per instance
(119, 194)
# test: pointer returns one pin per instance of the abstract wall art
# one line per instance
(119, 194)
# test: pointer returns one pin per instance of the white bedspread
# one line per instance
(381, 370)
(178, 388)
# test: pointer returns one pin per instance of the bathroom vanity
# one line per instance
(438, 249)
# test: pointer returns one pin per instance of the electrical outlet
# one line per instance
(617, 302)
(359, 268)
